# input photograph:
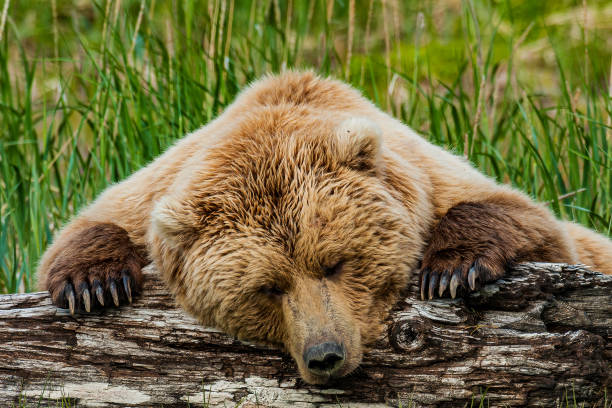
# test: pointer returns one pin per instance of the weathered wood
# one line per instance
(542, 332)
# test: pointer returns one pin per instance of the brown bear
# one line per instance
(296, 217)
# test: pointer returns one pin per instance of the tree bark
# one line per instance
(534, 338)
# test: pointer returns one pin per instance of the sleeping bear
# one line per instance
(296, 217)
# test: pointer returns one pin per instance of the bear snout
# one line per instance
(325, 359)
(324, 338)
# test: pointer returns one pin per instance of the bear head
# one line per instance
(294, 227)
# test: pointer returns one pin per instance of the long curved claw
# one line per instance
(126, 286)
(113, 290)
(443, 283)
(424, 277)
(69, 294)
(97, 288)
(433, 282)
(472, 276)
(454, 283)
(87, 300)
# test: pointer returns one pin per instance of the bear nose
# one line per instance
(325, 358)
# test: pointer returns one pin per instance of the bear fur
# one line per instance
(296, 217)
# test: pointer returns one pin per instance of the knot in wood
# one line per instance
(406, 335)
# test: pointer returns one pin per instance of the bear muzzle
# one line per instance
(323, 336)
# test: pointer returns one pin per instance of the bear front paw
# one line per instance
(472, 244)
(97, 267)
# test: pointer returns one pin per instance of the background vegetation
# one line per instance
(91, 91)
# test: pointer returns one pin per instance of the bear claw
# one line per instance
(87, 300)
(97, 288)
(112, 286)
(443, 283)
(69, 295)
(432, 281)
(126, 286)
(472, 276)
(454, 283)
(424, 276)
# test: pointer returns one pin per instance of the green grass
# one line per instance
(90, 92)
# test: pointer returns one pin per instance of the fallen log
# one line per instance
(538, 337)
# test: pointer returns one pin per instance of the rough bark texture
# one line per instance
(542, 332)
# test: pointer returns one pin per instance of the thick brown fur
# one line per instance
(298, 215)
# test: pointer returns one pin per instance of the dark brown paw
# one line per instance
(99, 267)
(472, 244)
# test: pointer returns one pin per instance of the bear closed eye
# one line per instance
(297, 217)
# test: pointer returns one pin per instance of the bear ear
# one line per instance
(174, 221)
(358, 143)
